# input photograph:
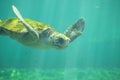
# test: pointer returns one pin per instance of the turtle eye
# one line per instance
(60, 40)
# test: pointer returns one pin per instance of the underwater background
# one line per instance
(93, 56)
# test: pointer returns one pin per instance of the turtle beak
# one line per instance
(67, 41)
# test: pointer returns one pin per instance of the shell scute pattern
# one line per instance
(14, 25)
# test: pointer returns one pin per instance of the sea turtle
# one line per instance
(37, 34)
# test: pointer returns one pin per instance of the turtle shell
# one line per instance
(14, 25)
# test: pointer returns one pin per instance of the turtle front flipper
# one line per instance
(75, 30)
(32, 32)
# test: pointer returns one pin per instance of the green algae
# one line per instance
(59, 74)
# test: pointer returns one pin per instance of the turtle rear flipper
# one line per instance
(2, 32)
(32, 32)
(75, 30)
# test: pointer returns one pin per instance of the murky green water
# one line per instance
(93, 56)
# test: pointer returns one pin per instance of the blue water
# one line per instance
(93, 56)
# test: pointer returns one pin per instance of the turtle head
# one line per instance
(59, 41)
